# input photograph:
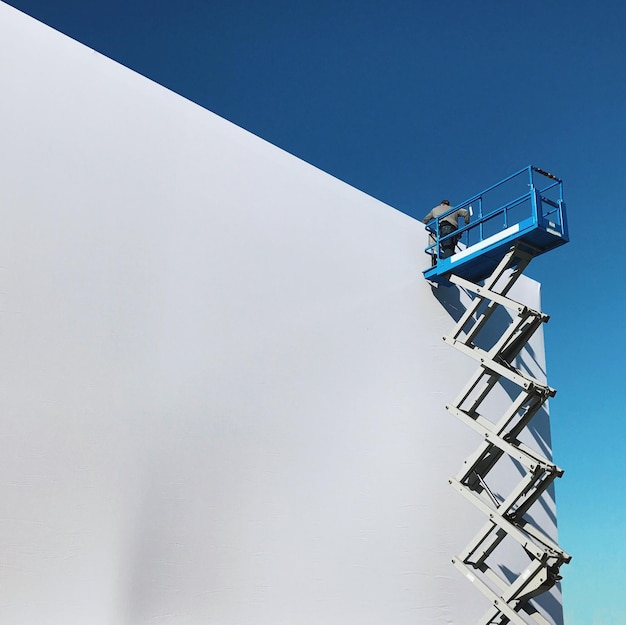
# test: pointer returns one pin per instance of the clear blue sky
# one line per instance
(412, 101)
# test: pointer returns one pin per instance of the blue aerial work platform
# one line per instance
(510, 223)
(526, 209)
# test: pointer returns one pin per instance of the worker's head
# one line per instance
(446, 202)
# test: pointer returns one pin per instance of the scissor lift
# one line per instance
(488, 267)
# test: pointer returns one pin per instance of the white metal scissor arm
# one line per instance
(506, 515)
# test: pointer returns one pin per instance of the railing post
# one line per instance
(535, 200)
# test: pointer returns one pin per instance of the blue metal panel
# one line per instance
(514, 210)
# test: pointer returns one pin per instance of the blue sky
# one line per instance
(412, 101)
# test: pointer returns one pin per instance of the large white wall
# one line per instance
(223, 380)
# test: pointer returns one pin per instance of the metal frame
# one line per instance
(506, 517)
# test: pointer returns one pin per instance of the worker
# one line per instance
(447, 225)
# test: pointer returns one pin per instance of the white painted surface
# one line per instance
(223, 377)
(472, 249)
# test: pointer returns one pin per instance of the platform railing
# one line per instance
(513, 200)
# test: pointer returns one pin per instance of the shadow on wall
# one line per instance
(450, 298)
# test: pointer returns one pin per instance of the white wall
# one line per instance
(223, 377)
